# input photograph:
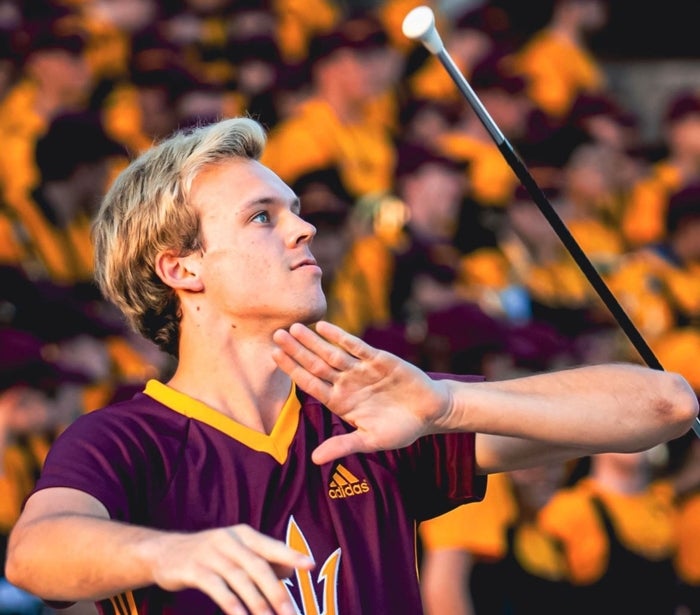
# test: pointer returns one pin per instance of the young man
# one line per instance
(181, 500)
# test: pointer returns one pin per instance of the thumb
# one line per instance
(337, 447)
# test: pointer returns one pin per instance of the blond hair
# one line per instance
(147, 210)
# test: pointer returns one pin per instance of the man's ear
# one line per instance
(180, 272)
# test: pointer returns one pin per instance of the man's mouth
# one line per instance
(305, 263)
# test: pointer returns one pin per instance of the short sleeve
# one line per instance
(439, 471)
(109, 457)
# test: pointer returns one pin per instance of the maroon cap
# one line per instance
(260, 48)
(51, 34)
(484, 18)
(74, 139)
(411, 156)
(590, 104)
(54, 312)
(683, 205)
(681, 105)
(324, 198)
(493, 73)
(361, 33)
(24, 361)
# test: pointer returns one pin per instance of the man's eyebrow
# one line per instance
(294, 204)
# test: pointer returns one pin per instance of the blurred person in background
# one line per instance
(557, 61)
(207, 30)
(601, 120)
(617, 527)
(643, 219)
(589, 204)
(659, 287)
(84, 335)
(470, 38)
(50, 232)
(40, 395)
(595, 118)
(411, 262)
(491, 557)
(501, 279)
(685, 474)
(51, 221)
(54, 78)
(145, 105)
(297, 22)
(110, 27)
(426, 120)
(492, 181)
(327, 205)
(29, 421)
(197, 29)
(258, 64)
(352, 66)
(583, 195)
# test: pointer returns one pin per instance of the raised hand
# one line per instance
(389, 401)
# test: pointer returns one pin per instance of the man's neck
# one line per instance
(238, 378)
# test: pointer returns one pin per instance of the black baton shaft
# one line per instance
(562, 231)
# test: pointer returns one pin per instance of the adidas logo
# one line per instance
(345, 484)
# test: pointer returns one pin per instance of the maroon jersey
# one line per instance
(164, 460)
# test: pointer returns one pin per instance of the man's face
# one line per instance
(158, 117)
(366, 72)
(434, 194)
(129, 15)
(69, 72)
(595, 15)
(684, 135)
(256, 265)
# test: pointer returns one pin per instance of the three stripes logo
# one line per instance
(344, 484)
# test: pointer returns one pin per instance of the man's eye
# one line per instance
(261, 216)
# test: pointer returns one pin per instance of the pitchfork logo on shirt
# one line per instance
(327, 579)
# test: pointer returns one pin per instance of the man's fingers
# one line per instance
(272, 550)
(219, 591)
(232, 587)
(337, 447)
(258, 565)
(328, 342)
(251, 571)
(317, 387)
(313, 354)
(257, 590)
(350, 343)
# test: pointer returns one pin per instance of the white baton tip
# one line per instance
(418, 21)
(419, 24)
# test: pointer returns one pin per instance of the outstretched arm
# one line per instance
(521, 422)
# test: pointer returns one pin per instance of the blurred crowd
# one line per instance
(429, 245)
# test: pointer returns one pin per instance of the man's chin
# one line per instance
(315, 315)
(312, 310)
